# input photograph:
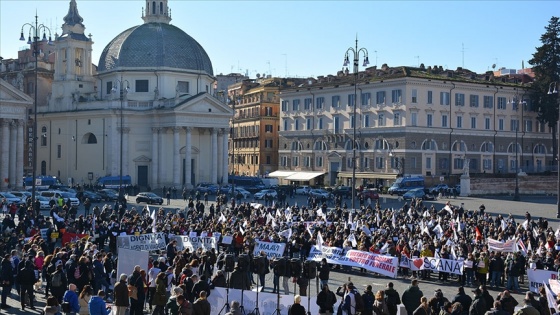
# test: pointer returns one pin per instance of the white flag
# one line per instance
(274, 223)
(453, 253)
(153, 215)
(378, 218)
(504, 224)
(286, 233)
(278, 213)
(535, 233)
(436, 255)
(352, 239)
(383, 249)
(241, 230)
(448, 209)
(269, 218)
(222, 218)
(394, 220)
(525, 224)
(350, 218)
(550, 298)
(438, 230)
(419, 245)
(245, 224)
(309, 230)
(366, 230)
(319, 241)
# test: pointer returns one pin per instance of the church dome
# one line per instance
(153, 45)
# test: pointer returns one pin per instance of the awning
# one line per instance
(281, 173)
(368, 175)
(304, 176)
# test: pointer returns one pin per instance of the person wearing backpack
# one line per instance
(369, 299)
(59, 282)
(392, 299)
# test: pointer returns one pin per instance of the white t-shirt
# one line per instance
(152, 274)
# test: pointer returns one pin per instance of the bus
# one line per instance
(248, 182)
(114, 182)
(404, 184)
(42, 182)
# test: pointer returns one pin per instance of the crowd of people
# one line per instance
(79, 277)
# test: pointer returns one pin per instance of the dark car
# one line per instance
(108, 194)
(417, 193)
(149, 198)
(93, 197)
(344, 191)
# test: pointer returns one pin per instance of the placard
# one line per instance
(194, 243)
(151, 241)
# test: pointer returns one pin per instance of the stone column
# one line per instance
(155, 158)
(125, 145)
(214, 173)
(19, 154)
(188, 157)
(5, 154)
(176, 158)
(115, 151)
(13, 155)
(220, 155)
(225, 156)
(162, 169)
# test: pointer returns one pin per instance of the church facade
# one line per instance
(153, 116)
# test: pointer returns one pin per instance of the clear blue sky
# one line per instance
(309, 38)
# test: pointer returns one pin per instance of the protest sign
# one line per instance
(413, 264)
(442, 265)
(272, 250)
(152, 241)
(385, 265)
(537, 276)
(505, 247)
(129, 258)
(194, 243)
(44, 234)
(227, 239)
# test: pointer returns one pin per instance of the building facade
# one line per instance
(426, 121)
(153, 116)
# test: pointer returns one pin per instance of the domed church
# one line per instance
(150, 110)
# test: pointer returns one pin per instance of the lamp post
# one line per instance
(553, 89)
(516, 194)
(233, 144)
(35, 30)
(356, 52)
(122, 92)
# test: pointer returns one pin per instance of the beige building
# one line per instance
(152, 116)
(425, 121)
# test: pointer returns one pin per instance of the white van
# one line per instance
(75, 202)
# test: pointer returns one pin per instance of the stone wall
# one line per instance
(528, 185)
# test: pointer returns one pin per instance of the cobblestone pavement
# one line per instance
(538, 206)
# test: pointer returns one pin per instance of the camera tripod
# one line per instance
(226, 305)
(277, 311)
(256, 310)
(308, 296)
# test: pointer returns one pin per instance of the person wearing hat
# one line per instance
(478, 306)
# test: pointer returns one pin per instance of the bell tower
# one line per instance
(73, 77)
(156, 12)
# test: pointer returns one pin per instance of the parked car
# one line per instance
(75, 202)
(303, 190)
(108, 194)
(343, 191)
(372, 194)
(44, 201)
(203, 188)
(242, 191)
(437, 188)
(320, 193)
(10, 198)
(149, 198)
(261, 194)
(417, 193)
(93, 197)
(23, 195)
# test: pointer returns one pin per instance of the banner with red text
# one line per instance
(538, 276)
(381, 264)
(505, 247)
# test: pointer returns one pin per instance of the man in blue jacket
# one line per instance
(97, 306)
(71, 297)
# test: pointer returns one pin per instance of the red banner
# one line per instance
(72, 237)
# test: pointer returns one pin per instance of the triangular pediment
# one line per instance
(142, 159)
(203, 103)
(9, 93)
(334, 154)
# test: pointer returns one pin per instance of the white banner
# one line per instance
(441, 265)
(152, 241)
(128, 258)
(538, 276)
(497, 246)
(272, 250)
(385, 265)
(196, 242)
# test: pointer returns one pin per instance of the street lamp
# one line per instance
(35, 30)
(122, 92)
(553, 89)
(356, 53)
(516, 194)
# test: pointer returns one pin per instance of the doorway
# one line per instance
(142, 177)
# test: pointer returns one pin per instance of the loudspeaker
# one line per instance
(260, 265)
(280, 266)
(310, 269)
(243, 262)
(229, 262)
(295, 267)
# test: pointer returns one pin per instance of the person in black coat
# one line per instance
(219, 280)
(26, 279)
(6, 279)
(238, 280)
(199, 286)
(296, 308)
(58, 292)
(324, 271)
(478, 306)
(462, 298)
(326, 300)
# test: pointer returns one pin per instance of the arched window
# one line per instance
(297, 146)
(89, 138)
(539, 149)
(512, 148)
(320, 146)
(459, 146)
(161, 8)
(348, 145)
(153, 7)
(487, 147)
(430, 145)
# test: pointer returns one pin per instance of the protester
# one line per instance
(201, 306)
(120, 295)
(296, 308)
(478, 306)
(423, 308)
(185, 306)
(326, 299)
(527, 309)
(171, 306)
(392, 299)
(97, 304)
(71, 300)
(234, 309)
(160, 297)
(411, 297)
(83, 299)
(52, 307)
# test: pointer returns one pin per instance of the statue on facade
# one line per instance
(466, 166)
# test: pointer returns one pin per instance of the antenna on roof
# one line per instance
(418, 59)
(463, 54)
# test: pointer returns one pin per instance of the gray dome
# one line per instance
(154, 45)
